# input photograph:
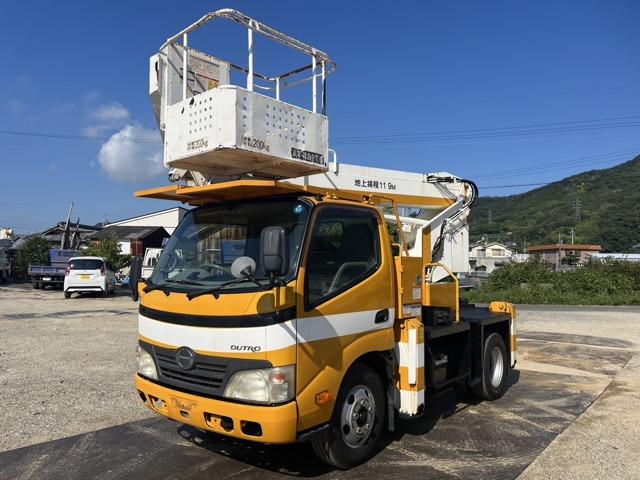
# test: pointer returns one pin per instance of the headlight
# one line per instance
(146, 365)
(267, 385)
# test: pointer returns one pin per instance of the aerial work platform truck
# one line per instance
(300, 298)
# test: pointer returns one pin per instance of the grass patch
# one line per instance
(599, 282)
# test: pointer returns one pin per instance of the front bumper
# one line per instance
(249, 422)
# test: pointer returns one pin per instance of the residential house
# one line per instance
(554, 253)
(487, 256)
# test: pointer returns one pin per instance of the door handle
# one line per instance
(382, 316)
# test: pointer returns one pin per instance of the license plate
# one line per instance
(85, 277)
(46, 279)
(181, 404)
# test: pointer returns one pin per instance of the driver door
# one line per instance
(346, 309)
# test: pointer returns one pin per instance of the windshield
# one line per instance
(201, 251)
(85, 264)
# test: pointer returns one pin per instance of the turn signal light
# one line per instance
(324, 397)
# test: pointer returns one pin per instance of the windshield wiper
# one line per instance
(161, 286)
(215, 291)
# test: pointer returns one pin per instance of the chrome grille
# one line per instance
(208, 372)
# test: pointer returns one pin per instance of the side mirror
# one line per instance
(274, 250)
(135, 272)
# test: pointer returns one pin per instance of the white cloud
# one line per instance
(94, 131)
(106, 118)
(113, 112)
(133, 154)
(16, 107)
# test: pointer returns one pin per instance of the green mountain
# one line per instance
(609, 211)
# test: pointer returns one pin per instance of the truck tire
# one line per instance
(357, 423)
(495, 369)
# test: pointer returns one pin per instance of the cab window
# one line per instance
(344, 250)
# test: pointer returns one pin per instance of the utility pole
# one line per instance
(64, 241)
(578, 206)
(489, 215)
(573, 235)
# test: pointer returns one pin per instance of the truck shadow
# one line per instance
(299, 460)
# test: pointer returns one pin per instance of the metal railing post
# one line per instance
(314, 87)
(277, 88)
(250, 47)
(323, 93)
(185, 61)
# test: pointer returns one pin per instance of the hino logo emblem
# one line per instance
(185, 358)
(247, 348)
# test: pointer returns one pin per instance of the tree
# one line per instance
(571, 258)
(34, 251)
(109, 249)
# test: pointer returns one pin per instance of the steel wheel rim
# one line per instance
(357, 416)
(497, 367)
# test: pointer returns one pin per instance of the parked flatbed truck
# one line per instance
(326, 328)
(53, 273)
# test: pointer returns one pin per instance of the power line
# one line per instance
(496, 132)
(545, 166)
(482, 187)
(518, 130)
(60, 136)
(537, 171)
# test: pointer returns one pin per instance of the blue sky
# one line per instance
(508, 93)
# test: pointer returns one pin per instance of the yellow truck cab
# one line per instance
(282, 309)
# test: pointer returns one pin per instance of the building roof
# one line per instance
(564, 246)
(60, 226)
(124, 232)
(147, 215)
(482, 243)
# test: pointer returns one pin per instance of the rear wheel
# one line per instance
(104, 294)
(67, 295)
(494, 369)
(357, 422)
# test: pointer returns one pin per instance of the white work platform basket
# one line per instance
(218, 129)
(229, 131)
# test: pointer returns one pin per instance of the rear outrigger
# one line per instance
(281, 308)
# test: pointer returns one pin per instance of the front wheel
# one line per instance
(357, 422)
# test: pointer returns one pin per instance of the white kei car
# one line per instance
(89, 274)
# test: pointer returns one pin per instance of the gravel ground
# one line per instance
(619, 323)
(66, 366)
(604, 441)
